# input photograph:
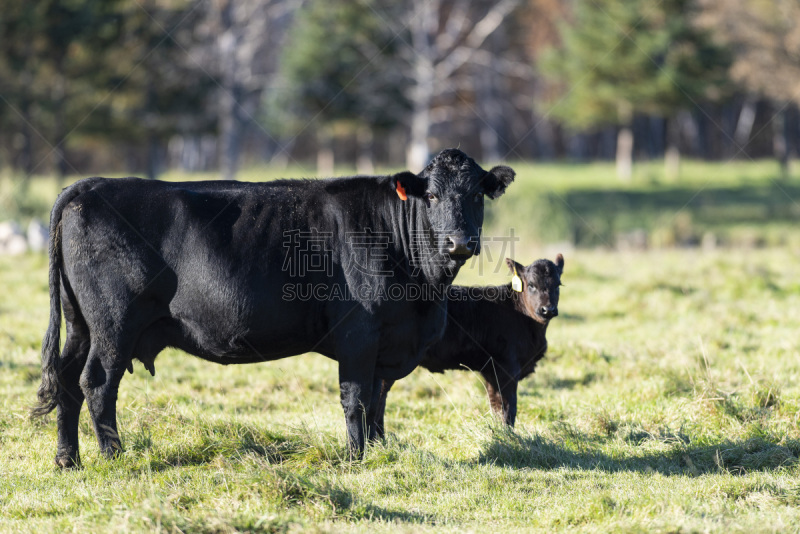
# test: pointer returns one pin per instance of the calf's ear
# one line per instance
(560, 263)
(496, 180)
(514, 267)
(408, 184)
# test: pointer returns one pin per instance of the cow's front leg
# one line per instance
(502, 392)
(359, 354)
(355, 387)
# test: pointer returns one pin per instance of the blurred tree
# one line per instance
(765, 38)
(155, 85)
(621, 57)
(18, 23)
(66, 28)
(45, 50)
(134, 71)
(340, 75)
(245, 39)
(445, 35)
(377, 60)
(539, 24)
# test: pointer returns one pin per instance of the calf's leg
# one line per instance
(502, 392)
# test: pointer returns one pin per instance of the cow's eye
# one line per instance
(532, 289)
(478, 197)
(431, 197)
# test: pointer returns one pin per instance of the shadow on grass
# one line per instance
(294, 490)
(508, 448)
(207, 442)
(595, 217)
(572, 317)
(372, 512)
(571, 383)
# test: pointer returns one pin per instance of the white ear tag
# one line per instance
(516, 282)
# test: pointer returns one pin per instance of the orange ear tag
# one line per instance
(401, 192)
(516, 282)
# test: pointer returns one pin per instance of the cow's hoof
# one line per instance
(112, 451)
(67, 462)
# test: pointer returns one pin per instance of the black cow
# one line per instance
(497, 331)
(215, 269)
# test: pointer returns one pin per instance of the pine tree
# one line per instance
(765, 39)
(337, 66)
(621, 57)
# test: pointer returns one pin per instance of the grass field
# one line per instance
(669, 399)
(669, 402)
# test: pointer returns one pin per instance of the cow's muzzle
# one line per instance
(460, 247)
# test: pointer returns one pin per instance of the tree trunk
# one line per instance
(230, 135)
(779, 145)
(422, 98)
(151, 124)
(625, 153)
(365, 158)
(491, 110)
(418, 150)
(230, 130)
(489, 87)
(747, 117)
(625, 142)
(672, 154)
(26, 150)
(59, 101)
(325, 159)
(280, 158)
(230, 94)
(152, 156)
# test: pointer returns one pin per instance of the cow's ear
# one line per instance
(496, 180)
(408, 184)
(560, 263)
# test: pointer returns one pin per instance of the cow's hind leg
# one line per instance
(100, 383)
(73, 359)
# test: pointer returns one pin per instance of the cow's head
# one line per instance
(452, 188)
(539, 288)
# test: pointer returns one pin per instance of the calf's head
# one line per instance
(539, 288)
(452, 188)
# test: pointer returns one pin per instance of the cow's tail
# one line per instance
(50, 387)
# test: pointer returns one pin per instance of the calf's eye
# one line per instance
(431, 197)
(478, 197)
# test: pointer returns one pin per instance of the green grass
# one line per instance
(733, 204)
(669, 401)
